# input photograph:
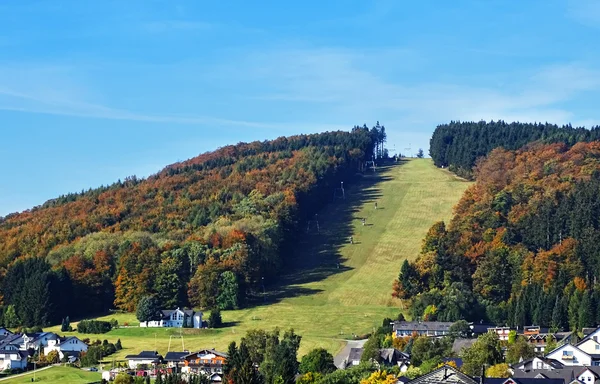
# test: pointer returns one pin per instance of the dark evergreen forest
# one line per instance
(458, 145)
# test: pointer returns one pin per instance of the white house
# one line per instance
(12, 359)
(175, 318)
(570, 355)
(144, 359)
(65, 345)
(587, 376)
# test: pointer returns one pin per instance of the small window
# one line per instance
(597, 347)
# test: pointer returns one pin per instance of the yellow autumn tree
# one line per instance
(498, 371)
(379, 377)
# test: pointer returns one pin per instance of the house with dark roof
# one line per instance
(176, 318)
(207, 361)
(444, 375)
(13, 359)
(175, 359)
(578, 375)
(538, 363)
(535, 380)
(388, 357)
(144, 359)
(71, 345)
(421, 328)
(450, 375)
(459, 344)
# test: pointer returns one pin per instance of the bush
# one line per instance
(215, 320)
(93, 326)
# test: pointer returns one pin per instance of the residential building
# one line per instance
(144, 359)
(577, 374)
(539, 337)
(13, 359)
(207, 361)
(459, 344)
(570, 355)
(444, 375)
(502, 332)
(538, 363)
(387, 357)
(175, 318)
(450, 375)
(175, 359)
(421, 328)
(71, 345)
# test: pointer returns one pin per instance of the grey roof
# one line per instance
(167, 312)
(532, 380)
(445, 374)
(459, 344)
(567, 373)
(355, 354)
(480, 328)
(144, 355)
(422, 326)
(526, 364)
(588, 334)
(392, 355)
(176, 356)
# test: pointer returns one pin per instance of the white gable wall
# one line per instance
(590, 346)
(587, 376)
(570, 356)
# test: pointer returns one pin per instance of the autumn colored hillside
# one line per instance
(203, 232)
(522, 247)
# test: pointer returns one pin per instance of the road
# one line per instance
(338, 360)
(26, 373)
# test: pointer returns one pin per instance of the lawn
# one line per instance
(63, 375)
(332, 289)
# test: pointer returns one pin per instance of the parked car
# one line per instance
(93, 369)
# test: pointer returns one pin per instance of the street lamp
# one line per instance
(264, 292)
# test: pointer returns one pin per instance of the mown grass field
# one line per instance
(332, 289)
(63, 375)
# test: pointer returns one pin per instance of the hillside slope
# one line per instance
(522, 247)
(323, 303)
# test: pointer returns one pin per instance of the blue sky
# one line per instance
(93, 91)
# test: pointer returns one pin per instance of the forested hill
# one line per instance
(458, 145)
(202, 232)
(522, 247)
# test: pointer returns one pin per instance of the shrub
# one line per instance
(93, 326)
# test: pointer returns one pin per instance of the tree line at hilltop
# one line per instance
(204, 232)
(458, 145)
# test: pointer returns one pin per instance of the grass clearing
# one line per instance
(63, 375)
(332, 288)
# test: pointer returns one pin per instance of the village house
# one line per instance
(421, 328)
(143, 360)
(208, 362)
(175, 359)
(70, 346)
(388, 357)
(585, 353)
(12, 359)
(539, 337)
(176, 318)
